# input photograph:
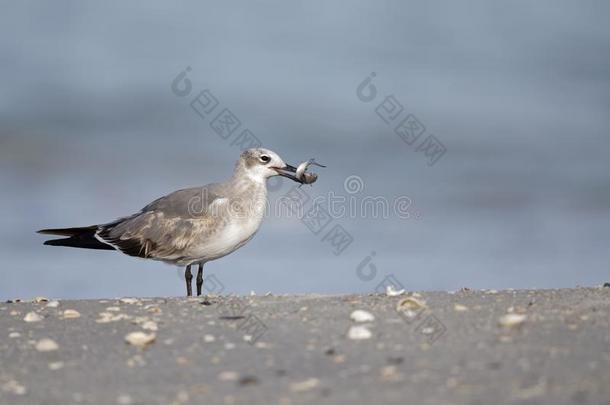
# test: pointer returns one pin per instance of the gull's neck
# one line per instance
(244, 180)
(248, 194)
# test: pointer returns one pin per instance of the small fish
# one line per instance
(303, 176)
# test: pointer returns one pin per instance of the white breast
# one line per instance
(234, 234)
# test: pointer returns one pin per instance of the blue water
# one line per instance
(90, 130)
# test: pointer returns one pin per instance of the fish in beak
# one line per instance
(300, 174)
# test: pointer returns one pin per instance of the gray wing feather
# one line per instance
(166, 227)
(186, 203)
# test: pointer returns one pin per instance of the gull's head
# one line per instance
(260, 164)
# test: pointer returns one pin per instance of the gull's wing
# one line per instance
(167, 226)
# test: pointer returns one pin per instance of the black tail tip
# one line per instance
(53, 242)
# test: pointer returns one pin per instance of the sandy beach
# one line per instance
(463, 347)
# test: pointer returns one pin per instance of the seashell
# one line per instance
(360, 315)
(140, 339)
(52, 304)
(512, 320)
(129, 300)
(359, 332)
(71, 313)
(46, 345)
(410, 303)
(32, 317)
(150, 325)
(390, 291)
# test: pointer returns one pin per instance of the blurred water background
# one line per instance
(518, 93)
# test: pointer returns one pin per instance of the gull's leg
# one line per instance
(199, 279)
(188, 277)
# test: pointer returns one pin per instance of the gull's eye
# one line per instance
(265, 159)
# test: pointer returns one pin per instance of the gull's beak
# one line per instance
(288, 171)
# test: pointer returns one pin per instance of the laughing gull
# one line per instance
(191, 226)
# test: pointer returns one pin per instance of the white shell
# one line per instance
(361, 316)
(150, 325)
(390, 291)
(32, 317)
(140, 339)
(71, 313)
(512, 320)
(46, 345)
(53, 304)
(359, 332)
(129, 301)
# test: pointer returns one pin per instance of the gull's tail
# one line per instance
(76, 237)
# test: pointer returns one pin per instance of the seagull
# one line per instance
(191, 226)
